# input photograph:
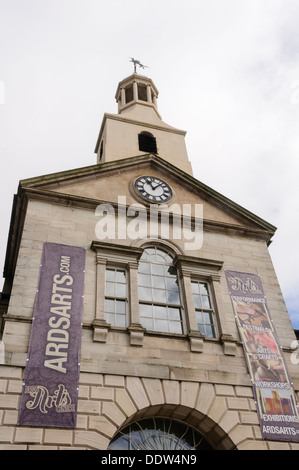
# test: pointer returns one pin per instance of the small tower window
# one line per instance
(147, 142)
(129, 93)
(142, 93)
(101, 150)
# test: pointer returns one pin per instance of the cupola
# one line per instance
(136, 90)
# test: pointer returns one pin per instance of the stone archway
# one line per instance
(194, 404)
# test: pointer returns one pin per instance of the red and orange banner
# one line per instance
(273, 390)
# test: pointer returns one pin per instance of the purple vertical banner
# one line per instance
(272, 387)
(50, 388)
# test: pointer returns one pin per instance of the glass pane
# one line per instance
(197, 301)
(160, 312)
(145, 310)
(158, 269)
(195, 287)
(171, 283)
(199, 317)
(175, 327)
(145, 293)
(210, 331)
(205, 301)
(109, 305)
(120, 320)
(121, 290)
(159, 295)
(110, 289)
(203, 289)
(168, 258)
(144, 268)
(110, 274)
(161, 325)
(207, 318)
(149, 254)
(121, 276)
(144, 280)
(173, 297)
(158, 281)
(174, 313)
(120, 306)
(147, 323)
(160, 259)
(110, 318)
(201, 328)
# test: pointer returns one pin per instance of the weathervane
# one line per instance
(136, 62)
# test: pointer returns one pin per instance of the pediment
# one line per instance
(109, 181)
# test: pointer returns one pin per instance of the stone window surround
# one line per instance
(189, 268)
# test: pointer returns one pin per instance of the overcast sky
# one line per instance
(227, 72)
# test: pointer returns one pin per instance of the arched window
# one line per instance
(159, 434)
(159, 294)
(147, 142)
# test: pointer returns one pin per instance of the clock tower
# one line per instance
(138, 127)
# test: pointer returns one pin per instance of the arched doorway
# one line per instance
(159, 433)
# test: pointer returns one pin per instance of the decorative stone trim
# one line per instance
(229, 345)
(136, 334)
(101, 328)
(196, 341)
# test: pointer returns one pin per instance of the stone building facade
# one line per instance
(141, 357)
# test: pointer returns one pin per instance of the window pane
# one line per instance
(172, 283)
(201, 328)
(168, 258)
(147, 323)
(158, 281)
(109, 305)
(175, 327)
(145, 310)
(110, 289)
(174, 313)
(160, 312)
(199, 318)
(160, 259)
(158, 269)
(203, 289)
(195, 287)
(207, 318)
(121, 290)
(159, 295)
(210, 331)
(121, 276)
(161, 325)
(120, 306)
(110, 318)
(120, 320)
(197, 301)
(149, 252)
(145, 293)
(205, 301)
(173, 297)
(144, 268)
(110, 274)
(144, 280)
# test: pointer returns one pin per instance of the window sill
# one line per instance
(137, 333)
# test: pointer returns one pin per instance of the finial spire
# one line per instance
(136, 62)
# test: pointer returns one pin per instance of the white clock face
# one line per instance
(153, 189)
